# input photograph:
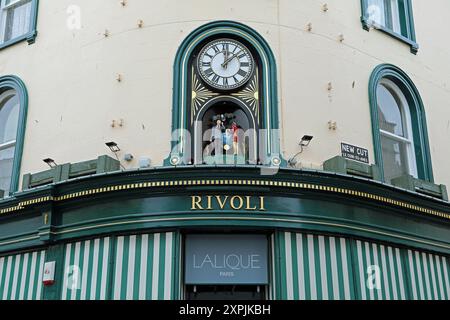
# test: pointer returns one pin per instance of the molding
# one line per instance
(418, 118)
(30, 36)
(269, 95)
(15, 83)
(169, 185)
(408, 20)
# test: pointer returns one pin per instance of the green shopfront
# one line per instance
(224, 218)
(160, 234)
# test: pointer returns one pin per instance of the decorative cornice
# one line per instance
(171, 184)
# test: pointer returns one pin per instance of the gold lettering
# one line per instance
(261, 204)
(247, 207)
(219, 201)
(235, 202)
(196, 203)
(233, 205)
(209, 202)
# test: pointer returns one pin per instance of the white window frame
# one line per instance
(12, 143)
(4, 13)
(407, 126)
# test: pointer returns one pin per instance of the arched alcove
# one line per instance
(226, 133)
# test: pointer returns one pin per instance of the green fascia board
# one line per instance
(225, 172)
(408, 20)
(30, 36)
(15, 83)
(73, 218)
(180, 78)
(418, 117)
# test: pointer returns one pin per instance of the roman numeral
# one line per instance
(241, 55)
(209, 72)
(208, 55)
(215, 78)
(226, 47)
(245, 64)
(242, 73)
(225, 81)
(206, 64)
(216, 50)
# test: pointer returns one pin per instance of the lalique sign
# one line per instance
(226, 259)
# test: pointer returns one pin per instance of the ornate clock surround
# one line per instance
(204, 95)
(191, 94)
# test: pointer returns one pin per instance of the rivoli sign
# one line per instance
(226, 259)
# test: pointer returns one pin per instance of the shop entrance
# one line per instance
(226, 267)
(225, 292)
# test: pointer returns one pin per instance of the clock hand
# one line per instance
(225, 57)
(225, 63)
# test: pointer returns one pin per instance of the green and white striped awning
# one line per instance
(315, 267)
(133, 267)
(319, 267)
(21, 276)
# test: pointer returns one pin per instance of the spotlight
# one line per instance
(114, 149)
(50, 162)
(113, 146)
(306, 140)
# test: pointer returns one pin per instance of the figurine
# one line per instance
(235, 129)
(216, 137)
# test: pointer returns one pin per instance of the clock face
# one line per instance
(225, 64)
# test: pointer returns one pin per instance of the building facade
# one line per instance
(242, 150)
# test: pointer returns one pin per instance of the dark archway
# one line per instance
(225, 132)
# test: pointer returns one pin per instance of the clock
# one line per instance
(225, 64)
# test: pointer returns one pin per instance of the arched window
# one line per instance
(399, 125)
(13, 105)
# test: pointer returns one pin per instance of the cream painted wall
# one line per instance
(74, 96)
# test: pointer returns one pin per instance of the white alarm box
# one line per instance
(49, 273)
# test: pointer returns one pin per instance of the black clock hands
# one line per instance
(225, 63)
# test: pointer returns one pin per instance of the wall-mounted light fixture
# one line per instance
(114, 149)
(50, 162)
(304, 142)
(113, 146)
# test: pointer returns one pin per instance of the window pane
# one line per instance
(6, 165)
(395, 158)
(17, 20)
(389, 114)
(389, 14)
(9, 118)
(395, 16)
(376, 12)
